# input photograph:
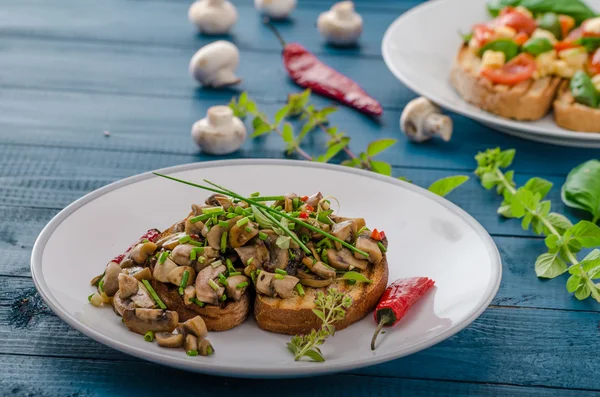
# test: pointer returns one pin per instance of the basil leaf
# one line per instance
(589, 43)
(586, 233)
(495, 6)
(573, 8)
(550, 265)
(537, 46)
(549, 21)
(507, 46)
(583, 90)
(444, 186)
(581, 190)
(356, 277)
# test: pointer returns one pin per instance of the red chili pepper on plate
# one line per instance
(309, 72)
(150, 235)
(397, 299)
(303, 215)
(377, 235)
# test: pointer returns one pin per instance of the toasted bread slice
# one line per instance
(572, 115)
(527, 101)
(295, 316)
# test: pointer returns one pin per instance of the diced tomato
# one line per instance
(566, 24)
(304, 198)
(507, 10)
(516, 20)
(482, 33)
(517, 70)
(310, 208)
(382, 234)
(564, 45)
(376, 235)
(594, 63)
(303, 215)
(521, 38)
(574, 34)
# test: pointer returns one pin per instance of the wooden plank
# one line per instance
(151, 124)
(170, 26)
(489, 351)
(46, 376)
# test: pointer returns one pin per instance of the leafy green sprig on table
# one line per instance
(313, 119)
(329, 308)
(563, 239)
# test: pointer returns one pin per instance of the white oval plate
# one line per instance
(420, 47)
(428, 236)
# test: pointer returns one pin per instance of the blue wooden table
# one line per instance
(72, 69)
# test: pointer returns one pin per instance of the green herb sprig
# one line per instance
(329, 308)
(563, 239)
(582, 188)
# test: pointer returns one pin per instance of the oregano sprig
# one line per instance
(563, 239)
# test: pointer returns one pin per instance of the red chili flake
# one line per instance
(376, 235)
(382, 234)
(304, 198)
(303, 215)
(310, 208)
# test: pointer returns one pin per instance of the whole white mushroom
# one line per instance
(220, 132)
(341, 25)
(214, 64)
(276, 9)
(213, 17)
(421, 120)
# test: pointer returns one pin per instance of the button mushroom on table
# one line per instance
(214, 64)
(421, 120)
(213, 17)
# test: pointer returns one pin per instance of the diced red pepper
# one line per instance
(521, 38)
(376, 235)
(310, 208)
(382, 234)
(303, 215)
(304, 198)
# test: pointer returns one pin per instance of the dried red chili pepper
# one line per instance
(150, 235)
(309, 72)
(397, 299)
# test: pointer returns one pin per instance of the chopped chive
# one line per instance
(192, 353)
(352, 282)
(196, 243)
(223, 242)
(242, 221)
(262, 236)
(184, 281)
(224, 224)
(291, 254)
(300, 289)
(199, 218)
(255, 194)
(281, 271)
(230, 267)
(269, 198)
(248, 212)
(327, 266)
(199, 250)
(324, 242)
(215, 220)
(278, 208)
(223, 298)
(101, 285)
(192, 255)
(210, 350)
(197, 302)
(90, 297)
(362, 229)
(279, 276)
(249, 261)
(230, 216)
(222, 279)
(295, 203)
(231, 274)
(149, 336)
(184, 239)
(230, 209)
(201, 260)
(239, 210)
(213, 285)
(324, 256)
(154, 295)
(381, 246)
(248, 230)
(253, 276)
(242, 285)
(216, 264)
(292, 226)
(213, 211)
(163, 257)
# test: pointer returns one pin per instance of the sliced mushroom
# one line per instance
(344, 260)
(365, 243)
(141, 252)
(313, 200)
(219, 200)
(128, 285)
(111, 278)
(140, 273)
(359, 222)
(279, 257)
(170, 241)
(232, 289)
(188, 293)
(345, 231)
(196, 327)
(96, 279)
(143, 320)
(162, 270)
(205, 258)
(310, 280)
(120, 305)
(240, 235)
(127, 262)
(181, 254)
(285, 287)
(257, 251)
(288, 202)
(319, 268)
(213, 236)
(204, 292)
(205, 348)
(193, 227)
(176, 275)
(264, 283)
(142, 298)
(168, 339)
(191, 343)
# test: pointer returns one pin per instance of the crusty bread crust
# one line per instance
(527, 101)
(572, 115)
(295, 316)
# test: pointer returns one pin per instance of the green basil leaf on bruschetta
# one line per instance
(495, 6)
(589, 43)
(573, 8)
(537, 46)
(583, 90)
(549, 21)
(582, 188)
(507, 46)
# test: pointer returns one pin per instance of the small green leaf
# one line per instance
(281, 114)
(243, 100)
(444, 186)
(251, 107)
(526, 221)
(333, 150)
(291, 347)
(379, 146)
(505, 211)
(315, 355)
(550, 265)
(586, 233)
(288, 133)
(583, 292)
(356, 276)
(405, 179)
(559, 221)
(538, 185)
(351, 162)
(551, 241)
(261, 130)
(506, 157)
(319, 313)
(573, 283)
(524, 201)
(489, 180)
(381, 167)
